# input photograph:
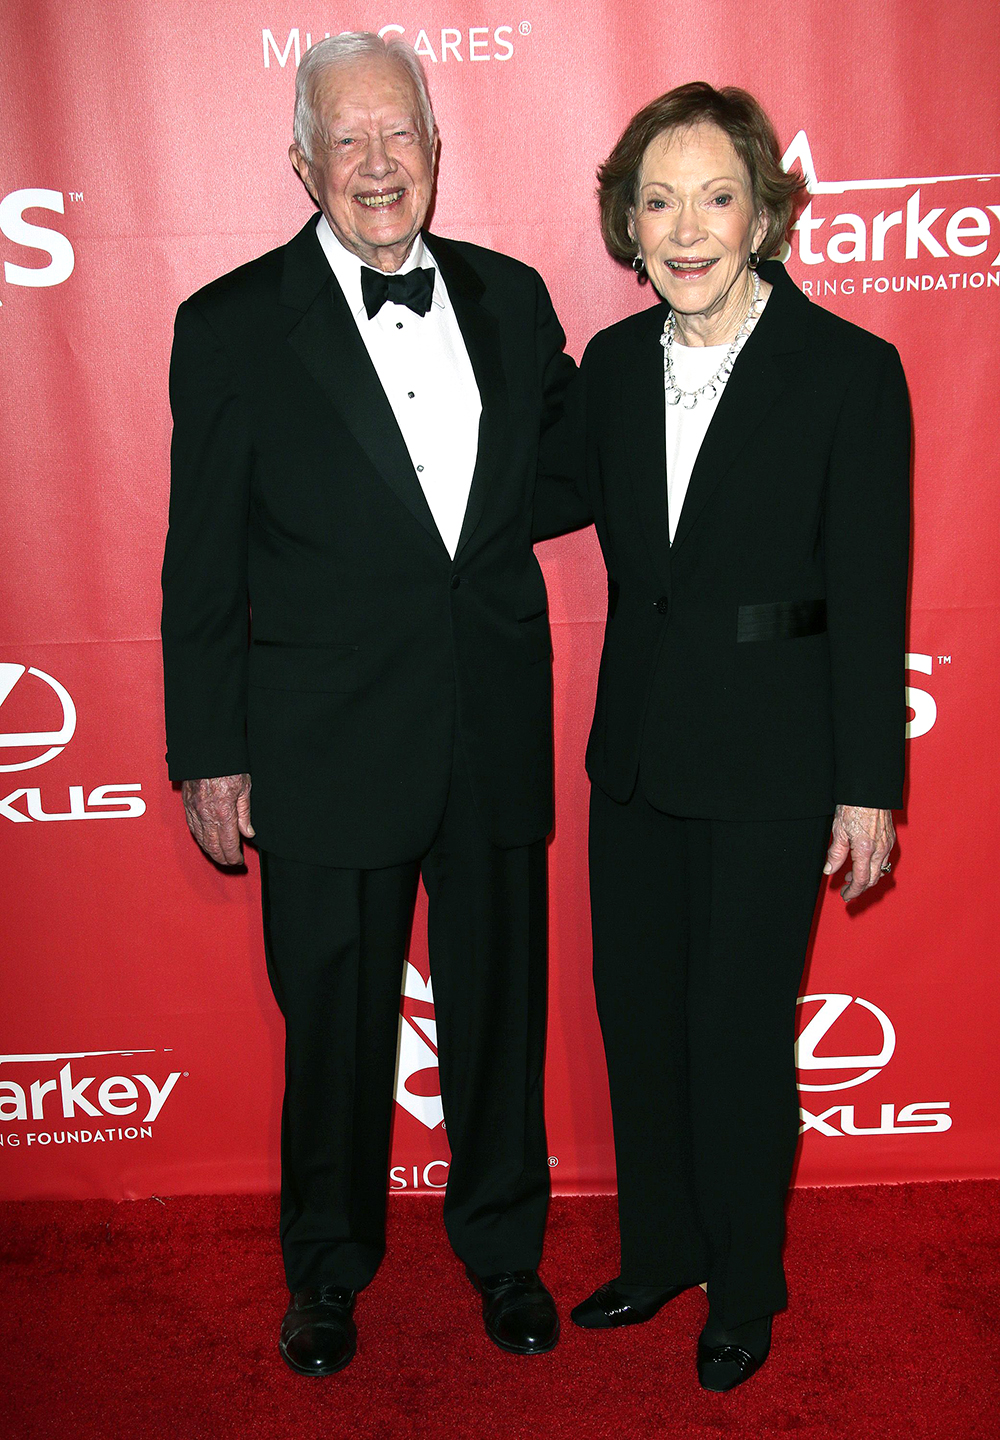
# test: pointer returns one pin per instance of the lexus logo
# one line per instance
(815, 1031)
(53, 742)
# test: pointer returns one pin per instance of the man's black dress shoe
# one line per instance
(609, 1307)
(723, 1366)
(518, 1311)
(317, 1334)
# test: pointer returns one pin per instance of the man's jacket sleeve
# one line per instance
(205, 623)
(560, 502)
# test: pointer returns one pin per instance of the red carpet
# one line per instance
(122, 1322)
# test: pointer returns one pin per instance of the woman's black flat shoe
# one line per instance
(723, 1367)
(608, 1308)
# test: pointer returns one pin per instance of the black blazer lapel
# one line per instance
(644, 437)
(753, 389)
(326, 340)
(480, 329)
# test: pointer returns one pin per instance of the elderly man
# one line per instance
(354, 617)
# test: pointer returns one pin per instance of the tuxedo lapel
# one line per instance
(480, 329)
(325, 338)
(643, 421)
(759, 377)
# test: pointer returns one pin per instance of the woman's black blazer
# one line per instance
(754, 668)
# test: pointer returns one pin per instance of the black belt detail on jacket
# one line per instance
(781, 620)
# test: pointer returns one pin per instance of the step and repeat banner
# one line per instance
(144, 153)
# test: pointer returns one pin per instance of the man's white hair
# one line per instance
(341, 49)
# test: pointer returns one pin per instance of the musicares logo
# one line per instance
(435, 44)
(418, 1083)
(922, 1117)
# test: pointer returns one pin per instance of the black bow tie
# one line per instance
(415, 290)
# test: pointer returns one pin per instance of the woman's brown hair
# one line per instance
(750, 132)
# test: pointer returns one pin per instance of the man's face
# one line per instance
(372, 172)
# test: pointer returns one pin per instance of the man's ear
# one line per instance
(303, 169)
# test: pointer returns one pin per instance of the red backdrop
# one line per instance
(144, 149)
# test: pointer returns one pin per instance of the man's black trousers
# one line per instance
(335, 942)
(700, 935)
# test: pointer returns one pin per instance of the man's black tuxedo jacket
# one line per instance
(316, 632)
(753, 668)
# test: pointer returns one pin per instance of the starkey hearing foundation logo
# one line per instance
(842, 1024)
(26, 699)
(964, 234)
(45, 1101)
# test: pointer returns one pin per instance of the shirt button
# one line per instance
(662, 605)
(409, 394)
(420, 469)
(456, 581)
(399, 324)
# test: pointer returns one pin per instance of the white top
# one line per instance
(686, 429)
(425, 371)
(694, 366)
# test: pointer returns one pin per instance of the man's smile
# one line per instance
(380, 200)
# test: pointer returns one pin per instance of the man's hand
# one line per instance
(218, 813)
(867, 836)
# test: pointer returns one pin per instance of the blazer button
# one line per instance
(456, 581)
(662, 605)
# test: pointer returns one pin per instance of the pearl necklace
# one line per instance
(689, 398)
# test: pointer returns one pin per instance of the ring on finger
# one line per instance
(886, 866)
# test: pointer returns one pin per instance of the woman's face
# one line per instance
(694, 220)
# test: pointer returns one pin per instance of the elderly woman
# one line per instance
(745, 456)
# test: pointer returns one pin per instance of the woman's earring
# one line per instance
(639, 266)
(753, 259)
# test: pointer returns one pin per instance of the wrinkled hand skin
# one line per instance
(218, 813)
(867, 836)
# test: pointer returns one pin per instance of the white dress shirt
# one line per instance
(425, 371)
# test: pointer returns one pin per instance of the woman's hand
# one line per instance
(867, 836)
